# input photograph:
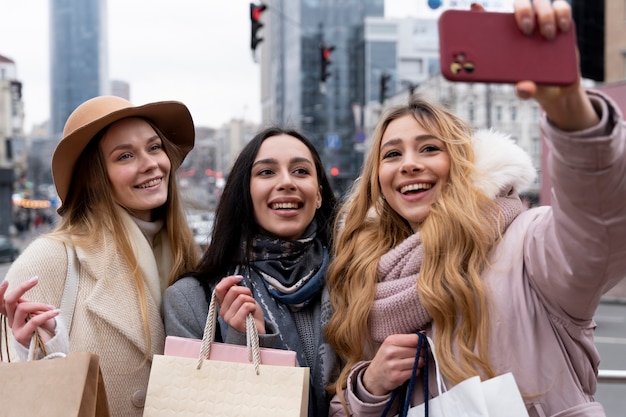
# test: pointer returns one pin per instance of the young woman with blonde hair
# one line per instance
(434, 238)
(122, 216)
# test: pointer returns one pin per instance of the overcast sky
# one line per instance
(195, 51)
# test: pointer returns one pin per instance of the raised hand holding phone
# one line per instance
(489, 47)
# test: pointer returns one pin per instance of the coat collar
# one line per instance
(114, 296)
(500, 164)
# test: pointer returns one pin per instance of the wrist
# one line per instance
(572, 111)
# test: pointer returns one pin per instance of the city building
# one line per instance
(12, 141)
(121, 89)
(295, 34)
(78, 54)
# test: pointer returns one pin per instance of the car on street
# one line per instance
(8, 251)
(201, 225)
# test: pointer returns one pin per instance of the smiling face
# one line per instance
(284, 187)
(137, 166)
(413, 169)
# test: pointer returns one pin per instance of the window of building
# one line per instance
(498, 113)
(513, 113)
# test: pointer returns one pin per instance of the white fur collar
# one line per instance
(500, 163)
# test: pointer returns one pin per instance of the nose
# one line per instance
(285, 181)
(411, 164)
(148, 162)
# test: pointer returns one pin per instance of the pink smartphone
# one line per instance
(488, 47)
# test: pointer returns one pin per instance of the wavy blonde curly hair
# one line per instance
(457, 242)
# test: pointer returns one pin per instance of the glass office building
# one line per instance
(291, 90)
(78, 60)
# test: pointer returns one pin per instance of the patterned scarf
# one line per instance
(292, 271)
(397, 308)
(284, 277)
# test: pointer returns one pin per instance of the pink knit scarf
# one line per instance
(397, 308)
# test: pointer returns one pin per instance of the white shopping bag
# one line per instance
(495, 397)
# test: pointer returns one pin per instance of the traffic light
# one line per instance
(334, 171)
(384, 86)
(589, 17)
(325, 54)
(255, 21)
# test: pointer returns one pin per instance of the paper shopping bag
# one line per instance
(225, 389)
(495, 397)
(62, 387)
(241, 384)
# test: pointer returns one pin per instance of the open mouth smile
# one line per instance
(151, 183)
(415, 188)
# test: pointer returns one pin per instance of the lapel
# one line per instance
(113, 297)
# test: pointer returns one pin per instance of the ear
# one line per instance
(318, 201)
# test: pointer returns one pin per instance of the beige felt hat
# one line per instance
(172, 118)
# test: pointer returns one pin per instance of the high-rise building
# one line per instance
(78, 54)
(292, 94)
(12, 141)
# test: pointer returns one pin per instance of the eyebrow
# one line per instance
(273, 161)
(395, 141)
(125, 146)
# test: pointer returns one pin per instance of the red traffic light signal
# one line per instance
(325, 55)
(334, 171)
(255, 22)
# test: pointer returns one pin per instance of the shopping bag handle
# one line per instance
(252, 336)
(422, 343)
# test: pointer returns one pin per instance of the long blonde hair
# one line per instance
(457, 240)
(89, 214)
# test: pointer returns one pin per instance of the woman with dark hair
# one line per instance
(268, 256)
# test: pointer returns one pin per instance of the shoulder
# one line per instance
(185, 289)
(45, 258)
(528, 219)
(42, 253)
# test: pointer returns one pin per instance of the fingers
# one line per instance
(224, 285)
(392, 365)
(14, 297)
(24, 328)
(550, 18)
(236, 302)
(526, 89)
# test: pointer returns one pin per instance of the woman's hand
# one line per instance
(25, 317)
(393, 364)
(567, 107)
(236, 302)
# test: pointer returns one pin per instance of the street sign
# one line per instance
(333, 141)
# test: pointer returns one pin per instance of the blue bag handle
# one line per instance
(422, 343)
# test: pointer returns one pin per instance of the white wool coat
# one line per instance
(107, 320)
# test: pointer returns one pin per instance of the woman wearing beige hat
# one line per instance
(114, 171)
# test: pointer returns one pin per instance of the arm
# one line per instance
(31, 293)
(576, 253)
(568, 108)
(185, 309)
(371, 383)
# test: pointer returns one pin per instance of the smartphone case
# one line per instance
(479, 46)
